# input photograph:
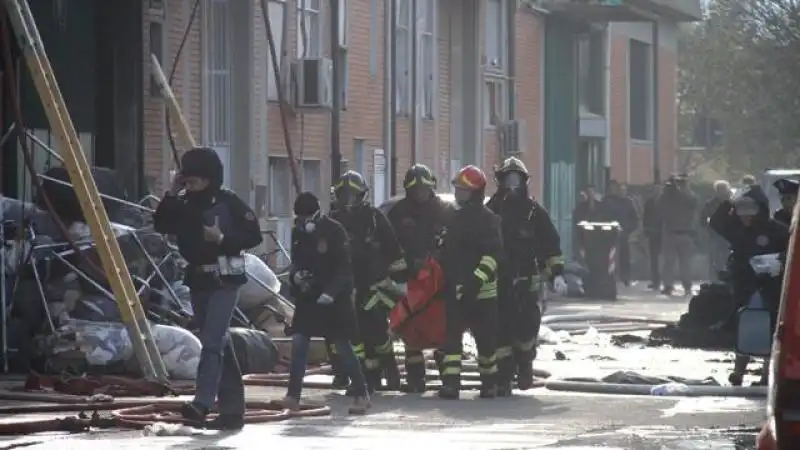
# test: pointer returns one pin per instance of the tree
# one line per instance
(741, 68)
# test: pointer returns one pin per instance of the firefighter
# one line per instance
(376, 257)
(212, 226)
(787, 188)
(417, 219)
(532, 255)
(469, 247)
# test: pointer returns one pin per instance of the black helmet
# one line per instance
(351, 189)
(419, 174)
(511, 165)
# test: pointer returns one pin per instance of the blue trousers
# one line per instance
(218, 373)
(350, 365)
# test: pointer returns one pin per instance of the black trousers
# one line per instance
(624, 258)
(519, 321)
(654, 251)
(480, 317)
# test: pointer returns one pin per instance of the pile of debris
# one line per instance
(59, 315)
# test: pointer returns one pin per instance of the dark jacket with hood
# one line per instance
(185, 215)
(325, 253)
(764, 236)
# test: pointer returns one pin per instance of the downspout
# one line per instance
(656, 50)
(607, 100)
(414, 122)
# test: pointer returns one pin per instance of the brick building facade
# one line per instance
(479, 62)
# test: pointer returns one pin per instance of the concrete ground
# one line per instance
(533, 419)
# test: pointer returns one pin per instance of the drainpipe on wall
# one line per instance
(414, 131)
(656, 110)
(607, 99)
(392, 30)
(388, 105)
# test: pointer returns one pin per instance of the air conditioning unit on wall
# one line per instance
(314, 83)
(512, 137)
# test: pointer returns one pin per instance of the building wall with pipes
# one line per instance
(632, 158)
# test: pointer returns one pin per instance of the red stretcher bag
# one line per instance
(419, 317)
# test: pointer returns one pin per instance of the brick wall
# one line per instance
(632, 161)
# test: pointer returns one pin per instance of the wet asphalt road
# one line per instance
(536, 419)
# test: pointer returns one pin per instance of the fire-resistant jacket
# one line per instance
(375, 251)
(416, 226)
(470, 247)
(530, 240)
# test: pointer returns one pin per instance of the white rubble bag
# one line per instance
(105, 343)
(260, 304)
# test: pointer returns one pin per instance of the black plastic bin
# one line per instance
(599, 252)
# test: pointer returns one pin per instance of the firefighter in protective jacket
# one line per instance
(417, 219)
(469, 248)
(376, 258)
(530, 242)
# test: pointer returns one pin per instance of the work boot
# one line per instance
(504, 388)
(194, 414)
(668, 290)
(415, 379)
(226, 422)
(449, 392)
(391, 372)
(374, 380)
(488, 390)
(360, 405)
(340, 382)
(735, 379)
(525, 377)
(438, 357)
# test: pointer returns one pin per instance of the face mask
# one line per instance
(308, 224)
(512, 181)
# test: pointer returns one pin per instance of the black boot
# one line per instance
(415, 379)
(194, 414)
(391, 372)
(340, 382)
(505, 376)
(488, 386)
(374, 380)
(226, 422)
(451, 389)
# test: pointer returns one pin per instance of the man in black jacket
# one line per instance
(213, 226)
(678, 207)
(787, 188)
(620, 208)
(653, 229)
(321, 281)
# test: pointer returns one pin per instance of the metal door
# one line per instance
(562, 201)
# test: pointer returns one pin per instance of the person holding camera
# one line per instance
(678, 206)
(213, 227)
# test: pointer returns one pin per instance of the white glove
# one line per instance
(324, 299)
(402, 288)
(560, 285)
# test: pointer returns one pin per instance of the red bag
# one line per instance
(419, 317)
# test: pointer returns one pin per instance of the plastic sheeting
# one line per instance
(106, 343)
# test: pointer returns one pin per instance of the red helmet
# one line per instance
(471, 178)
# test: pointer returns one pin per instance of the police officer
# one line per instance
(746, 224)
(417, 218)
(531, 248)
(376, 257)
(213, 226)
(321, 281)
(787, 188)
(470, 246)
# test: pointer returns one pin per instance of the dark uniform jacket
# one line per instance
(375, 251)
(783, 216)
(416, 225)
(184, 216)
(529, 237)
(652, 222)
(763, 237)
(470, 248)
(325, 254)
(621, 209)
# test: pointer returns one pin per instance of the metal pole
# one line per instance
(387, 102)
(336, 151)
(414, 70)
(392, 25)
(656, 115)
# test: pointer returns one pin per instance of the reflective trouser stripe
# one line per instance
(503, 352)
(526, 345)
(371, 363)
(487, 291)
(358, 349)
(487, 364)
(385, 348)
(416, 359)
(451, 365)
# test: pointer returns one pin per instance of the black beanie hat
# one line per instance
(306, 204)
(203, 162)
